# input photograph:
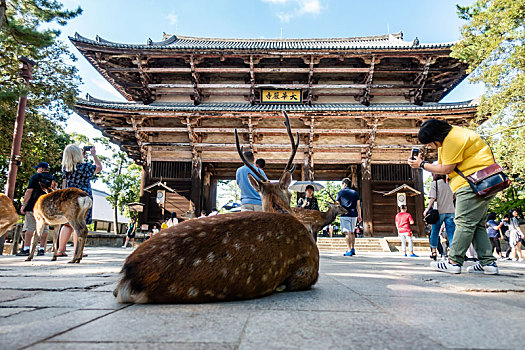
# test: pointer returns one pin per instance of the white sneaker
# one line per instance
(520, 259)
(123, 247)
(515, 259)
(445, 266)
(491, 269)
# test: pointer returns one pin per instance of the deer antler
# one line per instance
(331, 197)
(290, 166)
(259, 176)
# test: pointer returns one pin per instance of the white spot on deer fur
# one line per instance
(237, 271)
(260, 237)
(237, 246)
(193, 292)
(173, 288)
(229, 257)
(264, 278)
(252, 248)
(226, 239)
(181, 260)
(197, 262)
(288, 240)
(187, 240)
(224, 272)
(211, 257)
(209, 292)
(202, 234)
(249, 279)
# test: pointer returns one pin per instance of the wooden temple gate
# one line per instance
(357, 104)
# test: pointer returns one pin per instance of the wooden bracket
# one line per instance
(197, 98)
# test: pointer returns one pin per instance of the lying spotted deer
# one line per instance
(69, 205)
(8, 215)
(226, 257)
(315, 220)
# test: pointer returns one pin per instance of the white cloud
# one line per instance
(107, 87)
(296, 8)
(172, 18)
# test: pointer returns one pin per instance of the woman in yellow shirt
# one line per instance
(465, 149)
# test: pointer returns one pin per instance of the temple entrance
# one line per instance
(200, 194)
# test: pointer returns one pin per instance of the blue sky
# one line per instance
(136, 21)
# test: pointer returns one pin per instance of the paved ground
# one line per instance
(374, 300)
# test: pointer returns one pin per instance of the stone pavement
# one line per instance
(372, 300)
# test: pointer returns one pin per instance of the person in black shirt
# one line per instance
(33, 192)
(309, 202)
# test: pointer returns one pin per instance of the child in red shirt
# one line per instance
(403, 222)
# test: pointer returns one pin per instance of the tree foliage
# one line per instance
(493, 44)
(122, 176)
(51, 93)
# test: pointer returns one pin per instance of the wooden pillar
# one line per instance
(144, 196)
(206, 185)
(307, 173)
(213, 193)
(417, 175)
(196, 184)
(366, 205)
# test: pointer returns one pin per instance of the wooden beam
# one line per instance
(286, 86)
(278, 146)
(365, 100)
(252, 82)
(144, 79)
(195, 83)
(267, 131)
(310, 81)
(421, 80)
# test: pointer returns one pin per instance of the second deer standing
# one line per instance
(226, 257)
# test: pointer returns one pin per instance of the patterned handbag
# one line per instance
(488, 181)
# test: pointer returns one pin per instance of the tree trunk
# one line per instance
(3, 7)
(115, 219)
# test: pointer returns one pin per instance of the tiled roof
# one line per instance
(389, 41)
(246, 107)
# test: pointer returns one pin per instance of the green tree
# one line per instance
(493, 44)
(51, 93)
(228, 191)
(122, 176)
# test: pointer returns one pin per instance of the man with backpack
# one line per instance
(38, 182)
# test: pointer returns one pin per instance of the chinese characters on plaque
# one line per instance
(281, 96)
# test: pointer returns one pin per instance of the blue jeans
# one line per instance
(450, 226)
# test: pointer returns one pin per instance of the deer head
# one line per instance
(275, 196)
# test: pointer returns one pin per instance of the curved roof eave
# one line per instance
(244, 107)
(174, 43)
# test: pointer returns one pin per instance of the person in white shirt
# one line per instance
(173, 220)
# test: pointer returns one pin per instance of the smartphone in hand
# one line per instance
(415, 153)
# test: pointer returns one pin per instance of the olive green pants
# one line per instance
(471, 216)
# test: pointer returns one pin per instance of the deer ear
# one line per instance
(255, 184)
(285, 180)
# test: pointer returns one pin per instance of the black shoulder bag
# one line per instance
(432, 216)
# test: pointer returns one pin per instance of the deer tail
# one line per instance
(127, 291)
(85, 202)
